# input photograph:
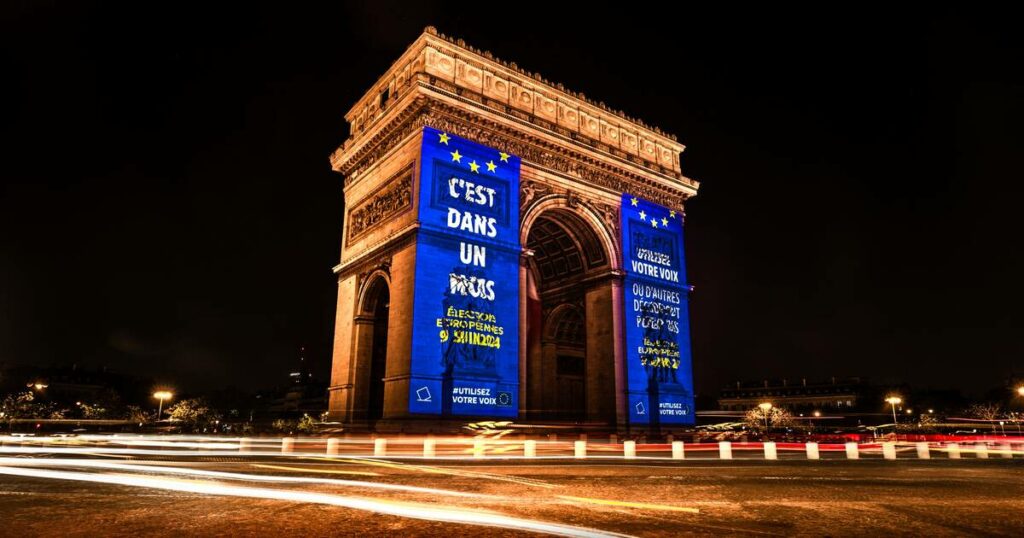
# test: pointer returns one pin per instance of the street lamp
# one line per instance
(765, 407)
(161, 395)
(1020, 390)
(894, 401)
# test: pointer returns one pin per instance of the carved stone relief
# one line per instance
(394, 197)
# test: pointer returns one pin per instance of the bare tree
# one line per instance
(986, 411)
(777, 417)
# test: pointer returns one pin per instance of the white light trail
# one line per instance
(144, 468)
(414, 511)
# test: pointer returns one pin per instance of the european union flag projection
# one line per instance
(465, 354)
(659, 371)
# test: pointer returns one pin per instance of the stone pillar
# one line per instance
(362, 355)
(547, 378)
(619, 336)
(396, 380)
(523, 336)
(340, 390)
(600, 369)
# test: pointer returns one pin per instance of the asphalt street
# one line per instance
(657, 498)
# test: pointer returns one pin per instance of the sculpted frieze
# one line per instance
(395, 197)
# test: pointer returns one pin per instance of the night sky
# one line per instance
(168, 208)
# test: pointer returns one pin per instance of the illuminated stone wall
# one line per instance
(577, 159)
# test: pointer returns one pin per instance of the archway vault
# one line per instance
(578, 217)
(569, 356)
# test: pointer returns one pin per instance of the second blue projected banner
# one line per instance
(659, 373)
(465, 354)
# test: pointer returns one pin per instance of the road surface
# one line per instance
(52, 493)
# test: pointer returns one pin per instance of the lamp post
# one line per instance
(894, 401)
(161, 395)
(765, 407)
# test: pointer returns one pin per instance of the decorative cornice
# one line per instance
(371, 254)
(424, 111)
(436, 63)
(430, 30)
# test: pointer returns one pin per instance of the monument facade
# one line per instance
(511, 250)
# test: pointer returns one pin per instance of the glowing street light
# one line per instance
(1020, 390)
(765, 407)
(894, 401)
(162, 395)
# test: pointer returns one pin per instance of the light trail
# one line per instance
(414, 511)
(312, 470)
(630, 504)
(21, 462)
(451, 472)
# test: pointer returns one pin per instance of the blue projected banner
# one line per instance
(658, 371)
(465, 353)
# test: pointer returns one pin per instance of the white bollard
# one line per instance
(530, 449)
(581, 449)
(629, 449)
(725, 450)
(380, 447)
(889, 450)
(923, 451)
(770, 452)
(245, 445)
(429, 450)
(852, 451)
(812, 451)
(954, 451)
(333, 446)
(1007, 451)
(478, 448)
(678, 450)
(287, 445)
(981, 451)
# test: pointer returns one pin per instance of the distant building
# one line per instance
(69, 384)
(832, 395)
(302, 395)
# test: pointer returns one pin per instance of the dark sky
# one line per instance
(168, 209)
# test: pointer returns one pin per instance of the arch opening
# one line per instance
(570, 360)
(376, 306)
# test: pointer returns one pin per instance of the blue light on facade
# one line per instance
(465, 353)
(658, 362)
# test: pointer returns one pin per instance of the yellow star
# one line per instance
(503, 157)
(643, 216)
(634, 201)
(456, 157)
(664, 222)
(654, 223)
(444, 138)
(474, 167)
(491, 166)
(672, 213)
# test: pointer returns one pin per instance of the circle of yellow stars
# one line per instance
(655, 222)
(474, 167)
